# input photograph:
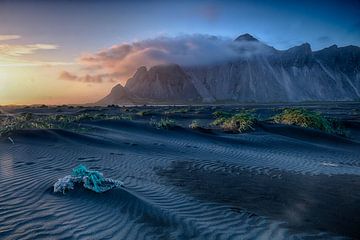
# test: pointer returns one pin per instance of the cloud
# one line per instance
(9, 37)
(67, 76)
(17, 63)
(20, 50)
(122, 60)
(10, 54)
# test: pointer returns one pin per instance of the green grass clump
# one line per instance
(144, 113)
(99, 116)
(241, 122)
(163, 123)
(123, 117)
(176, 110)
(221, 114)
(194, 124)
(218, 121)
(22, 121)
(59, 121)
(307, 119)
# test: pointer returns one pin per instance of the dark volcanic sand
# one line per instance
(304, 202)
(278, 182)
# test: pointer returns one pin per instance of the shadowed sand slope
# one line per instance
(275, 183)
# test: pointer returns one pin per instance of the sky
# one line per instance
(74, 51)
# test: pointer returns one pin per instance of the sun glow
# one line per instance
(3, 76)
(39, 84)
(3, 72)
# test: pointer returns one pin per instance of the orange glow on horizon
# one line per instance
(29, 85)
(29, 74)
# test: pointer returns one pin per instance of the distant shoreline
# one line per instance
(182, 104)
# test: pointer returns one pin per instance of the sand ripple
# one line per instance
(149, 207)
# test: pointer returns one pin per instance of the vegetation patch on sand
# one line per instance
(241, 122)
(176, 111)
(308, 119)
(220, 114)
(22, 121)
(59, 121)
(163, 123)
(144, 113)
(194, 124)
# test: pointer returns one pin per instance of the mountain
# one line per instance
(118, 94)
(297, 74)
(261, 73)
(246, 37)
(163, 82)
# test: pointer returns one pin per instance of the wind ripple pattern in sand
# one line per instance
(148, 208)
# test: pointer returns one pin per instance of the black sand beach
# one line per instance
(276, 182)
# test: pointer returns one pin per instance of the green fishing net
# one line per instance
(92, 180)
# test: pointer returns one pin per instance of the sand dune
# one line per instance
(278, 182)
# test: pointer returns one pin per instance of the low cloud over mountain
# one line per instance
(121, 61)
(243, 70)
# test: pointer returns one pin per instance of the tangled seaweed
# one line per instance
(92, 180)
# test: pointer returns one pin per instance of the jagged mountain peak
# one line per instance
(162, 82)
(303, 48)
(247, 38)
(262, 74)
(141, 70)
(120, 91)
(118, 94)
(118, 87)
(165, 67)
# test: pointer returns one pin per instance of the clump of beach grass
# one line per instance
(163, 123)
(199, 110)
(100, 116)
(194, 124)
(22, 121)
(144, 113)
(221, 114)
(176, 110)
(240, 122)
(11, 123)
(308, 119)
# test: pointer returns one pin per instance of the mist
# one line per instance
(122, 60)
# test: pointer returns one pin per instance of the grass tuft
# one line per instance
(194, 124)
(176, 111)
(308, 119)
(59, 121)
(241, 122)
(221, 114)
(22, 121)
(163, 123)
(144, 113)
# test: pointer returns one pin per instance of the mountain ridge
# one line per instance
(260, 74)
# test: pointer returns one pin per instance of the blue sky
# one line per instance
(42, 40)
(86, 25)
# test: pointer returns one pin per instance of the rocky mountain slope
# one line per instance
(260, 74)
